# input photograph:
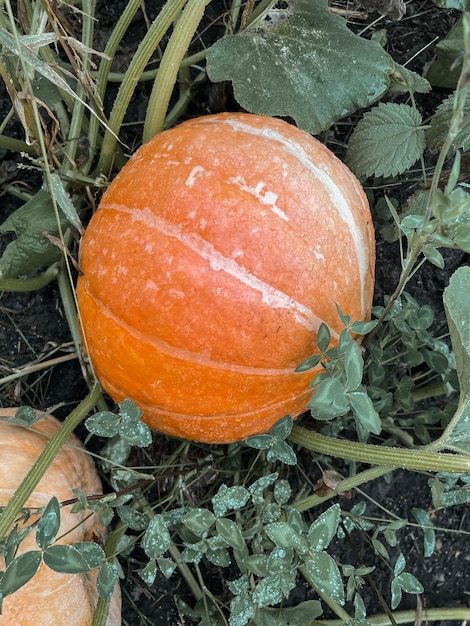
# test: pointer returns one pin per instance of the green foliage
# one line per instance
(126, 424)
(387, 141)
(274, 443)
(301, 49)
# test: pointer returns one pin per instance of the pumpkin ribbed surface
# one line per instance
(208, 267)
(51, 598)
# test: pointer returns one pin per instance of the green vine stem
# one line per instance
(409, 617)
(32, 478)
(418, 459)
(30, 284)
(165, 81)
(146, 48)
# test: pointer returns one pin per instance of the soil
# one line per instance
(33, 328)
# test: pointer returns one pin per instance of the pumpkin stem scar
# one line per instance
(218, 262)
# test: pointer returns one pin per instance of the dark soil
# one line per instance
(33, 327)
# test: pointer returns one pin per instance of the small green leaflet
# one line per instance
(440, 124)
(387, 141)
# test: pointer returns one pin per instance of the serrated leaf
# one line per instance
(302, 62)
(31, 249)
(387, 141)
(440, 122)
(403, 80)
(19, 572)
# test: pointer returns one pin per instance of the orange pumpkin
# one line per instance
(51, 598)
(208, 267)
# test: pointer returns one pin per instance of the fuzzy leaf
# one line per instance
(301, 61)
(387, 141)
(31, 249)
(440, 123)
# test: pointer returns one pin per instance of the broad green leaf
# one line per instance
(274, 588)
(282, 492)
(409, 583)
(19, 572)
(440, 122)
(48, 525)
(301, 61)
(106, 580)
(31, 249)
(387, 141)
(149, 572)
(329, 400)
(241, 610)
(129, 409)
(324, 528)
(444, 70)
(353, 365)
(325, 574)
(157, 539)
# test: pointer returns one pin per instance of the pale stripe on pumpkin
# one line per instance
(337, 197)
(271, 296)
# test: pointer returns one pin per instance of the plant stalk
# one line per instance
(32, 478)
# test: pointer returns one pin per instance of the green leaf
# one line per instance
(400, 564)
(167, 566)
(363, 409)
(403, 80)
(149, 573)
(281, 451)
(354, 366)
(303, 613)
(132, 518)
(230, 532)
(396, 593)
(323, 337)
(284, 536)
(241, 610)
(64, 202)
(324, 528)
(19, 572)
(103, 424)
(329, 400)
(457, 307)
(260, 442)
(66, 559)
(423, 519)
(135, 433)
(156, 540)
(325, 574)
(282, 428)
(107, 579)
(409, 583)
(301, 61)
(199, 521)
(440, 123)
(48, 525)
(31, 249)
(387, 141)
(229, 499)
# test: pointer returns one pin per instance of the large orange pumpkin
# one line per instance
(51, 598)
(208, 267)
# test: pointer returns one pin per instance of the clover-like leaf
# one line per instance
(301, 61)
(387, 141)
